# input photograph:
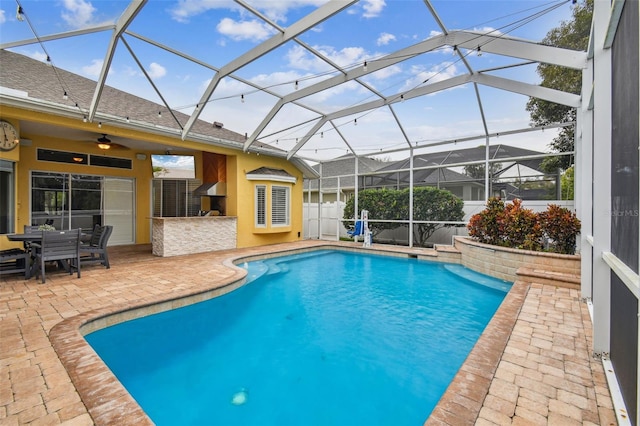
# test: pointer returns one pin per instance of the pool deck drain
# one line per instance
(532, 364)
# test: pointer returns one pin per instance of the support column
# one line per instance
(602, 77)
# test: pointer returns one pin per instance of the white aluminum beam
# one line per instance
(372, 66)
(515, 48)
(319, 15)
(532, 90)
(121, 25)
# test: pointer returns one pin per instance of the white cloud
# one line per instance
(373, 8)
(385, 38)
(300, 58)
(244, 30)
(40, 56)
(3, 18)
(185, 9)
(276, 10)
(79, 13)
(156, 70)
(94, 69)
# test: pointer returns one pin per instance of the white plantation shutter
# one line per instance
(279, 205)
(261, 205)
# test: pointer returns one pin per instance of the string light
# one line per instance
(364, 67)
(159, 114)
(402, 98)
(65, 96)
(49, 61)
(296, 86)
(321, 135)
(20, 14)
(242, 98)
(100, 125)
(84, 119)
(127, 119)
(355, 121)
(455, 47)
(479, 51)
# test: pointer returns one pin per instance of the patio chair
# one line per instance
(60, 246)
(13, 261)
(30, 229)
(95, 251)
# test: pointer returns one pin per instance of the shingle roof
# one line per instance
(345, 167)
(39, 81)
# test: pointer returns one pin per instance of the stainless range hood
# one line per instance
(211, 189)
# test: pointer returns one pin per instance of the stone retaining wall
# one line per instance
(512, 264)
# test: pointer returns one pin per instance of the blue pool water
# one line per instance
(321, 338)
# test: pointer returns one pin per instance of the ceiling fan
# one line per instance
(105, 143)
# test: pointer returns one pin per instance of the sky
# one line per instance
(217, 32)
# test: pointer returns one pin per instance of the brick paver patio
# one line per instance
(531, 366)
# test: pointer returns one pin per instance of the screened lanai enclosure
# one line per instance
(374, 94)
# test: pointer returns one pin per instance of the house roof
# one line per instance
(32, 84)
(342, 168)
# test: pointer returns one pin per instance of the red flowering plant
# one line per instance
(521, 227)
(511, 225)
(487, 226)
(561, 226)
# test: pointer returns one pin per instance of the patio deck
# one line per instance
(531, 366)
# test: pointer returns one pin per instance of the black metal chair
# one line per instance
(60, 246)
(14, 261)
(95, 251)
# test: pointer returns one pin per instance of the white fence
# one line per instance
(326, 223)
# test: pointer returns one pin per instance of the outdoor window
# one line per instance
(175, 198)
(279, 205)
(7, 206)
(261, 206)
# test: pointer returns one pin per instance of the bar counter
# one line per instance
(174, 236)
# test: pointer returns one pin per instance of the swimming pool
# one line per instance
(327, 337)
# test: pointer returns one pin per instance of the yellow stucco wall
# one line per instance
(239, 190)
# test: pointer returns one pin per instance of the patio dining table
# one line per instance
(35, 237)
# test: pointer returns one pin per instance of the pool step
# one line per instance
(478, 278)
(543, 276)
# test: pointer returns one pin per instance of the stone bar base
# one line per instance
(174, 236)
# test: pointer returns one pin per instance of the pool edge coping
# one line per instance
(107, 400)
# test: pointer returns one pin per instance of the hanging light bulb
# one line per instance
(455, 47)
(127, 119)
(49, 60)
(100, 125)
(242, 98)
(355, 121)
(364, 67)
(402, 98)
(296, 85)
(84, 119)
(159, 114)
(321, 135)
(20, 14)
(479, 51)
(65, 96)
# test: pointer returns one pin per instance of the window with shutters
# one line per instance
(261, 206)
(279, 205)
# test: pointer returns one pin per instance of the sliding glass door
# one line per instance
(69, 201)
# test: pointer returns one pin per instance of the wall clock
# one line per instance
(9, 138)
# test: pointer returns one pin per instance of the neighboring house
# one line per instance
(515, 173)
(79, 172)
(338, 177)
